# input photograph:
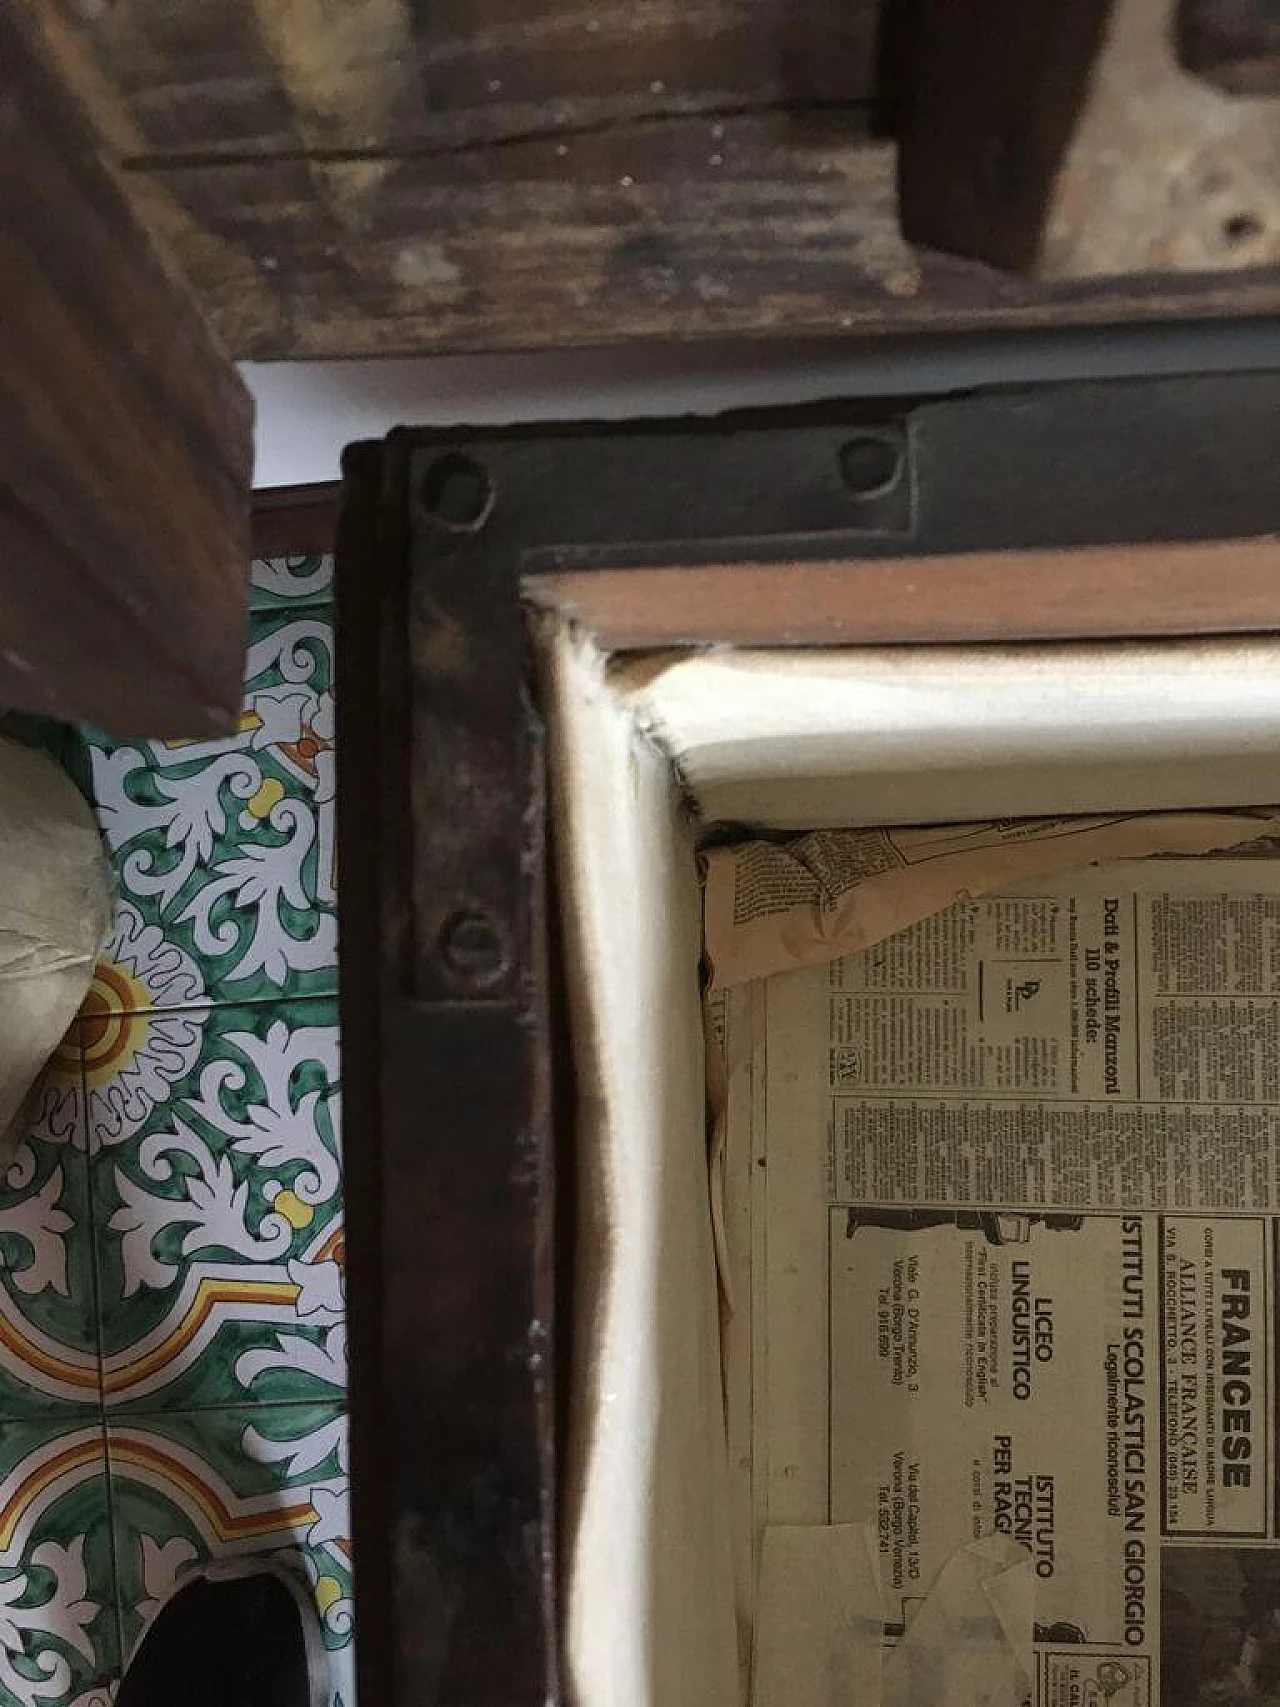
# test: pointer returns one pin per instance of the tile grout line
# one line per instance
(114, 1533)
(222, 1002)
(117, 1614)
(94, 1286)
(117, 1419)
(326, 604)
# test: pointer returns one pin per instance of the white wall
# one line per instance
(307, 411)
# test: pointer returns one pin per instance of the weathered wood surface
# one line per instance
(386, 177)
(219, 78)
(127, 457)
(691, 228)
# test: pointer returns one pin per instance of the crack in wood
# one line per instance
(535, 136)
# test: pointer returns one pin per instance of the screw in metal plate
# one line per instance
(473, 949)
(871, 465)
(458, 492)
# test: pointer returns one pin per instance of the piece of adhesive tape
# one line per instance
(819, 1630)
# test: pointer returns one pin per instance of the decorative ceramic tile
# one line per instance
(59, 1641)
(291, 581)
(171, 1227)
(271, 1481)
(48, 1323)
(224, 849)
(217, 1195)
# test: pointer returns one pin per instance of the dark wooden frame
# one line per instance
(295, 521)
(447, 1003)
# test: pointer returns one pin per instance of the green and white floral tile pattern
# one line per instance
(48, 1320)
(224, 848)
(219, 1219)
(59, 1629)
(270, 1481)
(172, 1335)
(276, 582)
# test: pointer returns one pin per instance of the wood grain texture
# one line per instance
(223, 78)
(388, 178)
(125, 477)
(1212, 587)
(764, 225)
(988, 97)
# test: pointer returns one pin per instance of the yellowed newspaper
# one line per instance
(1002, 1215)
(798, 900)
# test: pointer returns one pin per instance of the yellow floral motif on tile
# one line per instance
(114, 1022)
(295, 1211)
(267, 797)
(328, 1593)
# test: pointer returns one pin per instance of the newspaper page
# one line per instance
(800, 900)
(1002, 1203)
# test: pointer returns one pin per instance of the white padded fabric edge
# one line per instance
(794, 739)
(649, 1578)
